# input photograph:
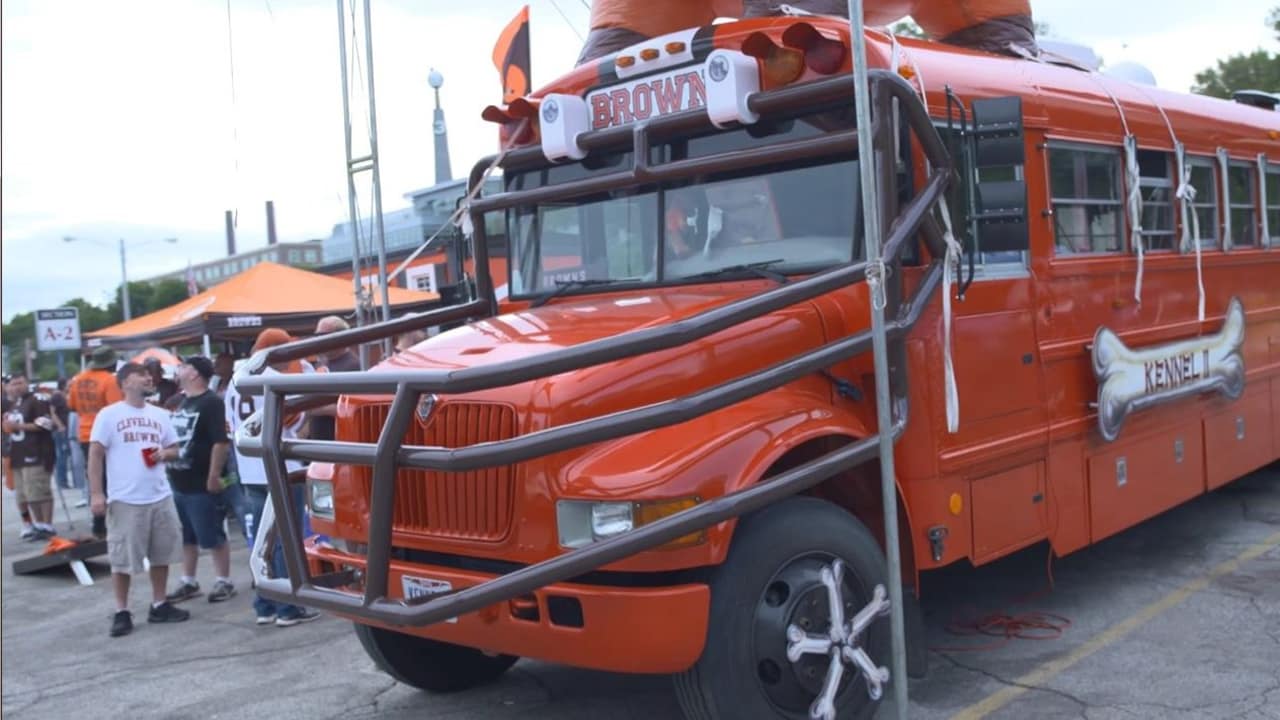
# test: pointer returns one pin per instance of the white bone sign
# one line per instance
(1130, 380)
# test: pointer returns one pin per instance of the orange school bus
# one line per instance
(660, 456)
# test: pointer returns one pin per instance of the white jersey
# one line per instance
(125, 431)
(239, 408)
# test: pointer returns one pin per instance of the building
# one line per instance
(306, 255)
(405, 230)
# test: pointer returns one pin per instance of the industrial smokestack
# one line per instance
(271, 223)
(231, 234)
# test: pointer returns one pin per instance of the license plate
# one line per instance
(421, 587)
(648, 97)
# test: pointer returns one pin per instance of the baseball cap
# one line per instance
(202, 365)
(271, 337)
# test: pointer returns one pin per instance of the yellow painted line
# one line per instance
(1037, 678)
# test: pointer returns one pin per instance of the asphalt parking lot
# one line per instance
(1177, 618)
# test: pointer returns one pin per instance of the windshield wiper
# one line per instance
(564, 286)
(760, 269)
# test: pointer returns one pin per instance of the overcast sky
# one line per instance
(118, 118)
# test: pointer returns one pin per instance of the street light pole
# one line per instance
(124, 273)
(124, 285)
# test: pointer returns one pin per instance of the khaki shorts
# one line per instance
(135, 532)
(32, 484)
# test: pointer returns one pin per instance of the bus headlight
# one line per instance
(582, 522)
(320, 497)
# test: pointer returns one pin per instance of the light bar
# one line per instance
(564, 118)
(732, 77)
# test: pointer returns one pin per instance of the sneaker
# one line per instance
(185, 591)
(44, 533)
(266, 619)
(222, 590)
(82, 503)
(28, 533)
(166, 613)
(297, 618)
(121, 623)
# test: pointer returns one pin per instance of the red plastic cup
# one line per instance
(150, 456)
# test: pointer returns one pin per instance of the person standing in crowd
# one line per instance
(62, 451)
(196, 476)
(253, 478)
(162, 387)
(30, 430)
(134, 438)
(9, 422)
(92, 389)
(342, 360)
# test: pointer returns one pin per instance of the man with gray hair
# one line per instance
(341, 360)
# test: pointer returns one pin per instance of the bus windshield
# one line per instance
(796, 219)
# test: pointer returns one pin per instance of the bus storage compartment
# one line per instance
(1137, 478)
(1008, 511)
(1238, 438)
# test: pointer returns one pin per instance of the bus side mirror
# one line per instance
(997, 132)
(1001, 212)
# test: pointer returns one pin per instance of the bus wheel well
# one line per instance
(857, 491)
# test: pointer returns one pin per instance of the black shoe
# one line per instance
(222, 590)
(167, 613)
(122, 623)
(296, 618)
(185, 591)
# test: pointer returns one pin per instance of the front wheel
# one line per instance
(773, 650)
(430, 664)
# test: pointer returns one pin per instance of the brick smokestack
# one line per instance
(231, 234)
(271, 223)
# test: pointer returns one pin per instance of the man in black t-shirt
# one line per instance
(31, 452)
(196, 476)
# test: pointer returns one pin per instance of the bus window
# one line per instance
(1244, 201)
(1084, 185)
(1156, 172)
(961, 199)
(1205, 181)
(1273, 204)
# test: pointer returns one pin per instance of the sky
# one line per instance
(148, 119)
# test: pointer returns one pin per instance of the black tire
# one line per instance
(765, 582)
(431, 665)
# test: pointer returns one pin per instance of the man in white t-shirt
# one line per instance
(130, 440)
(253, 478)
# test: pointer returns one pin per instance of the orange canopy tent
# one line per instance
(266, 295)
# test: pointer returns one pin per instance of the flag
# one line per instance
(192, 288)
(511, 57)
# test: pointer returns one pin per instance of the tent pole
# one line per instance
(353, 166)
(876, 277)
(208, 348)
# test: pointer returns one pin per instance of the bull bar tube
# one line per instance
(262, 435)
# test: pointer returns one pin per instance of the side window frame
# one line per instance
(1269, 185)
(1249, 231)
(1080, 151)
(1150, 183)
(1205, 200)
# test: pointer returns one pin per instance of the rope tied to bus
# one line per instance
(950, 268)
(1190, 231)
(461, 217)
(954, 255)
(876, 273)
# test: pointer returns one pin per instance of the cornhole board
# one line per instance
(73, 556)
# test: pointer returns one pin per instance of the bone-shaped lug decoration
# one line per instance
(1130, 380)
(876, 676)
(801, 643)
(878, 606)
(824, 706)
(833, 580)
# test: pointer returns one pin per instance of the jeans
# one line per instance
(62, 459)
(256, 497)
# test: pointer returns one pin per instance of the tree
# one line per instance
(1258, 70)
(143, 298)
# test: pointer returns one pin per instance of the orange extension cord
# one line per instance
(1033, 625)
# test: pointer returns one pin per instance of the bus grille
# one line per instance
(473, 505)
